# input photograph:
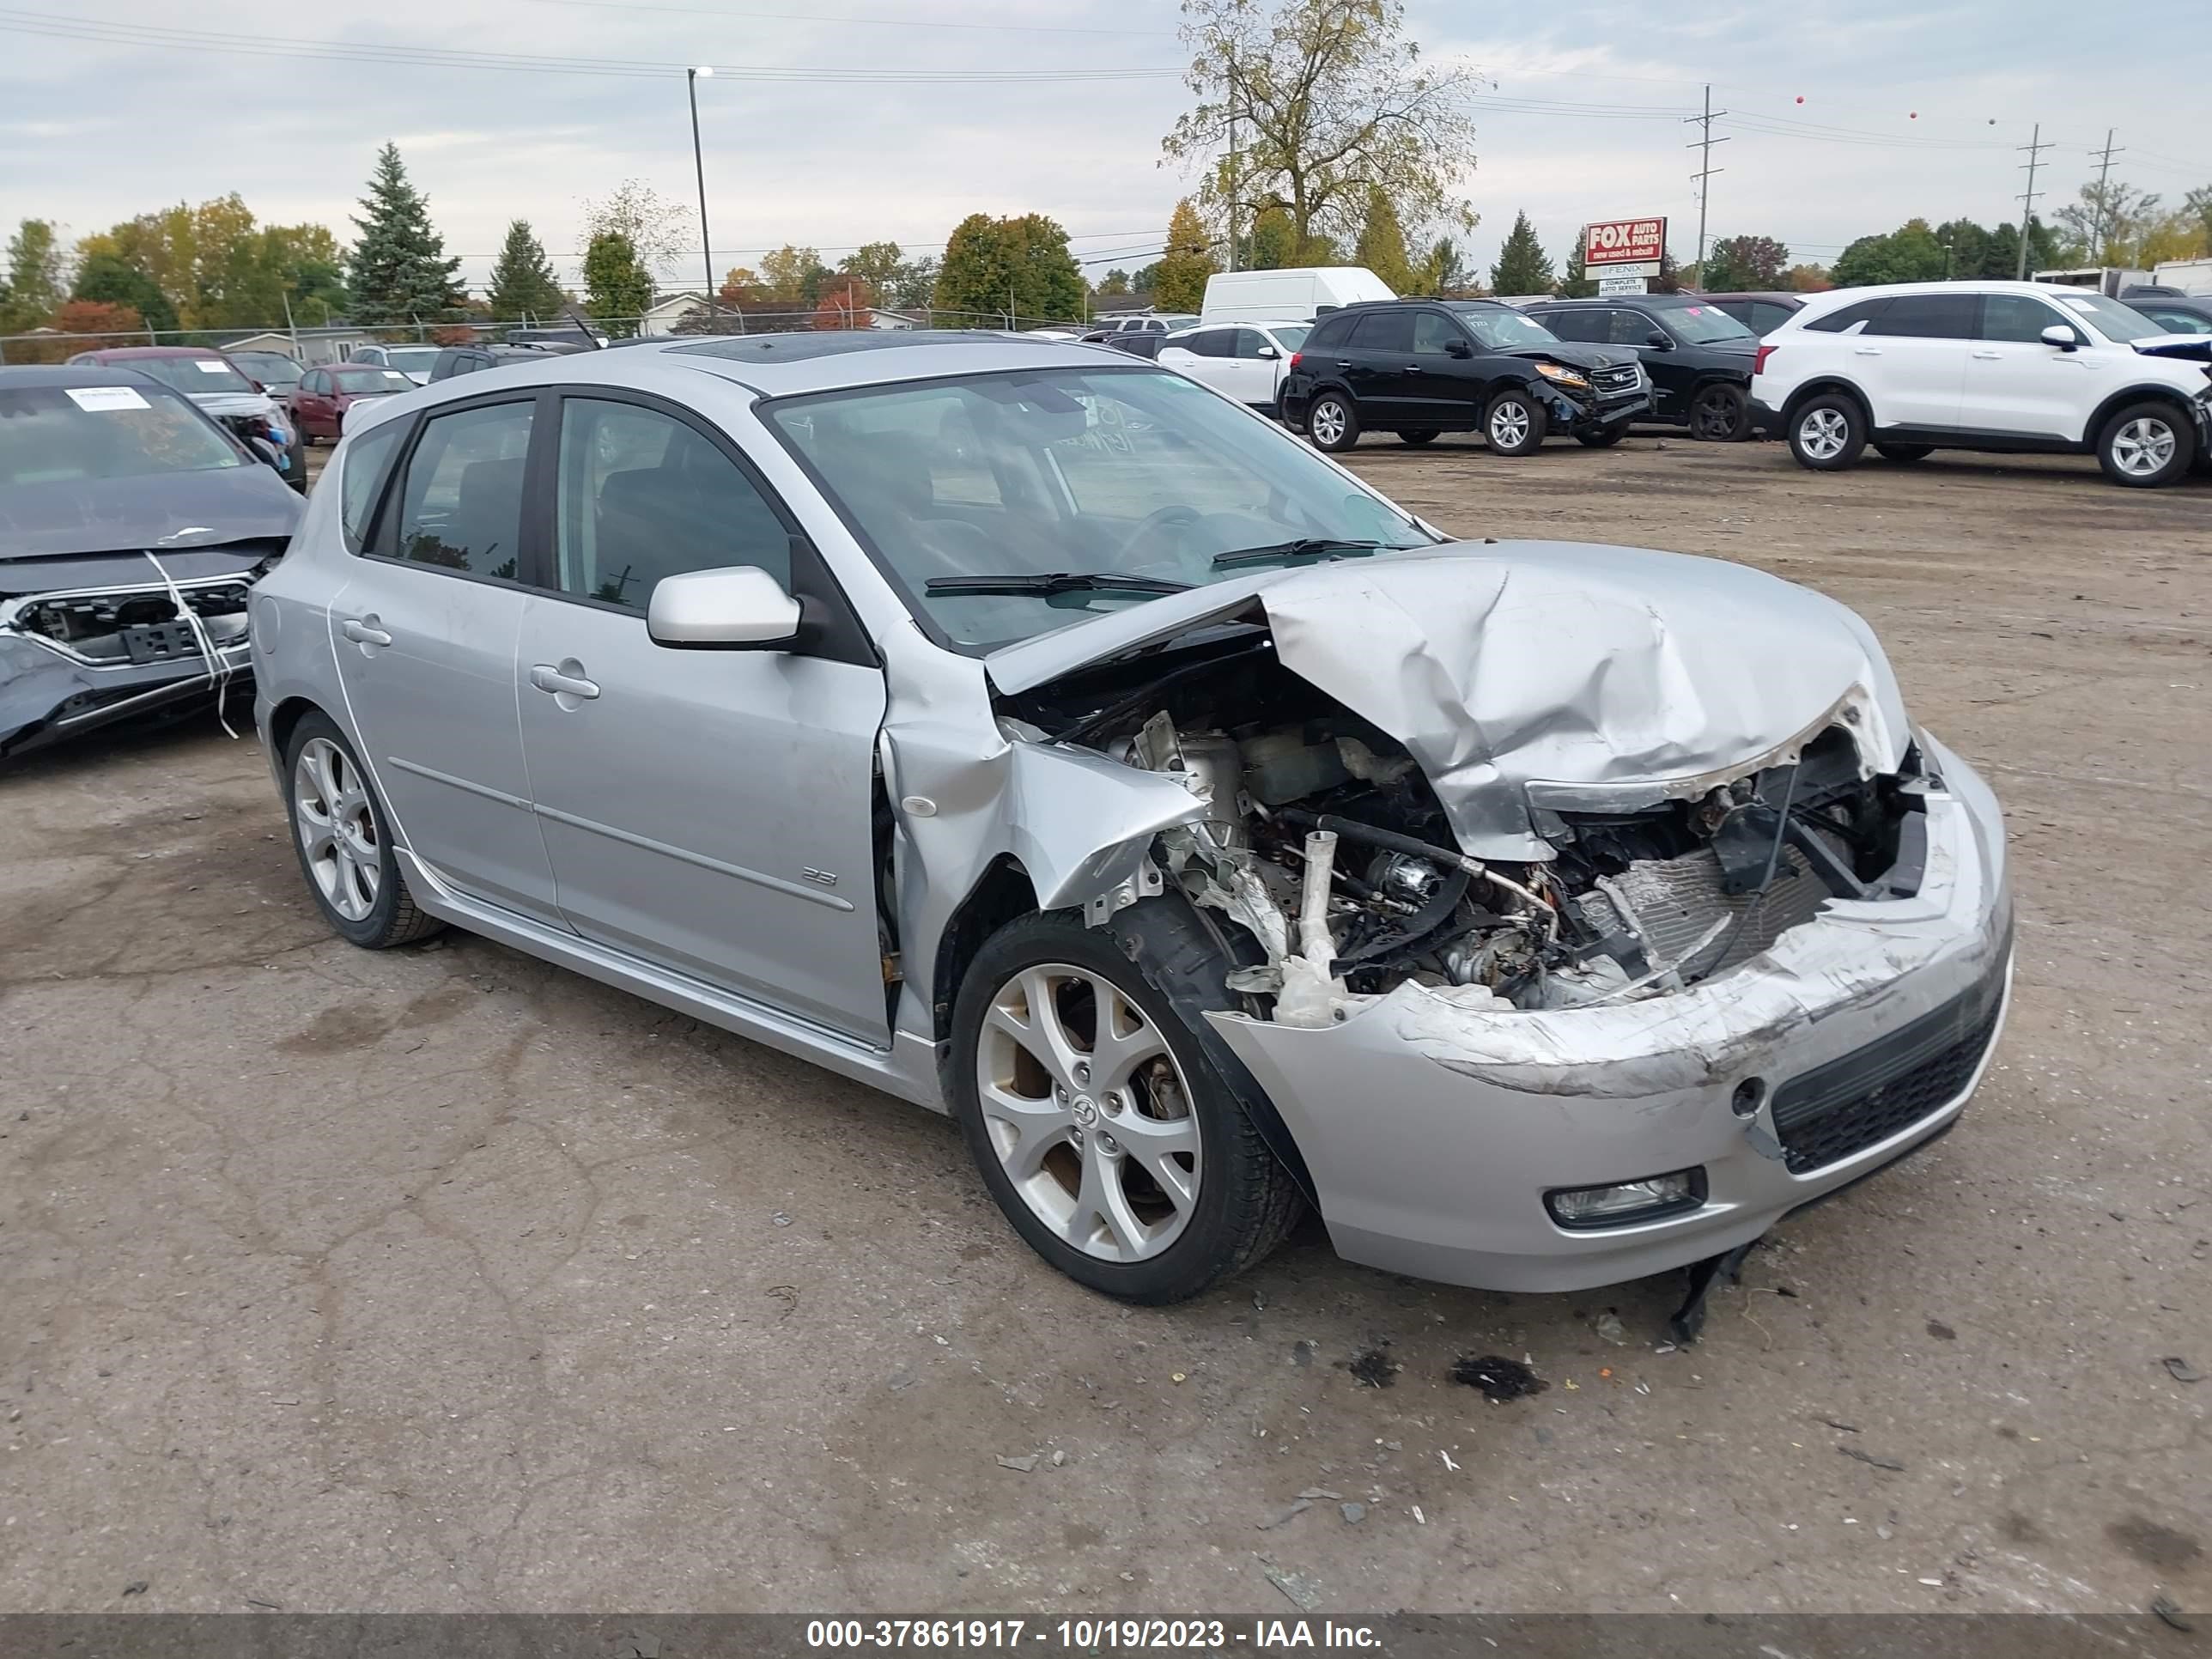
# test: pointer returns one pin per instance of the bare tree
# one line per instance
(1331, 102)
(657, 228)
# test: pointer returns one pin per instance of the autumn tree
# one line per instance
(95, 317)
(1522, 267)
(617, 287)
(523, 284)
(1736, 264)
(1185, 263)
(795, 275)
(37, 278)
(1332, 103)
(399, 270)
(107, 279)
(845, 302)
(1011, 267)
(1114, 286)
(876, 263)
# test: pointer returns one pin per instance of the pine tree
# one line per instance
(1522, 267)
(1383, 244)
(1579, 284)
(1185, 264)
(619, 288)
(522, 282)
(399, 271)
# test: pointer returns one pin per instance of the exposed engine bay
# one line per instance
(1329, 847)
(110, 626)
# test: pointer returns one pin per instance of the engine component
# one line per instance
(1280, 767)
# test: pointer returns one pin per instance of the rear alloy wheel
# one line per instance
(2146, 445)
(1331, 422)
(338, 831)
(1720, 415)
(1513, 424)
(1095, 1114)
(1904, 454)
(1419, 435)
(1828, 431)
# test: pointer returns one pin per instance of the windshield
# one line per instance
(1501, 328)
(270, 368)
(62, 434)
(190, 374)
(1703, 326)
(369, 382)
(1103, 471)
(416, 360)
(2116, 322)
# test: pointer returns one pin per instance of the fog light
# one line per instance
(1631, 1200)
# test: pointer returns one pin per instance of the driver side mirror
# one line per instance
(740, 607)
(1268, 352)
(1659, 340)
(1458, 348)
(2063, 335)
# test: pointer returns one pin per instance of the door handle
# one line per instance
(1344, 362)
(1412, 368)
(546, 677)
(364, 631)
(1867, 351)
(1990, 356)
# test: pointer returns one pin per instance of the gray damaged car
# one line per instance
(1048, 741)
(132, 528)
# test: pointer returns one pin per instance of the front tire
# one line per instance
(1333, 422)
(2146, 445)
(1096, 1115)
(1514, 423)
(1828, 431)
(339, 831)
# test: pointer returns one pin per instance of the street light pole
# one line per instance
(699, 165)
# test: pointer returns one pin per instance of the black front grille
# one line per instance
(1610, 381)
(1830, 1113)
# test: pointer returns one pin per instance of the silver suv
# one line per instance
(1045, 739)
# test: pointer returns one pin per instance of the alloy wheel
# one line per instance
(1089, 1113)
(1823, 434)
(1327, 423)
(338, 828)
(1713, 417)
(2143, 448)
(1509, 425)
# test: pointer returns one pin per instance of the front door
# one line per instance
(1628, 333)
(2015, 384)
(425, 635)
(709, 810)
(313, 409)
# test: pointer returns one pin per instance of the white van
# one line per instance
(1303, 292)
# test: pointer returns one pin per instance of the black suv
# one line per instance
(1699, 357)
(1421, 367)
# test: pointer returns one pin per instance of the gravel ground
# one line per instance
(444, 1279)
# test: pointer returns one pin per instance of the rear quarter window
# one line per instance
(368, 459)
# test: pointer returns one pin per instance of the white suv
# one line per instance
(2016, 368)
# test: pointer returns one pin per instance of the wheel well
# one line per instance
(1003, 894)
(2140, 394)
(1804, 393)
(287, 715)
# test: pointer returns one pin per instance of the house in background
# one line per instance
(314, 347)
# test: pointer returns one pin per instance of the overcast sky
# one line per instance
(170, 103)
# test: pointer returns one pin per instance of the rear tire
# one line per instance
(1904, 454)
(1419, 435)
(1827, 431)
(2146, 445)
(1333, 423)
(1720, 414)
(1050, 1146)
(1514, 423)
(340, 832)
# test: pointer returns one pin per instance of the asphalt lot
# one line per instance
(441, 1279)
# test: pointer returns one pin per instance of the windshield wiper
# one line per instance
(1054, 581)
(1305, 547)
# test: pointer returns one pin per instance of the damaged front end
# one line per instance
(1592, 909)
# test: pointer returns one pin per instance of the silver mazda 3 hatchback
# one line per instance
(1039, 736)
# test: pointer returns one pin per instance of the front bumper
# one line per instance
(46, 697)
(1571, 414)
(1433, 1128)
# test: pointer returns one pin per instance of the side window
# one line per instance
(1844, 318)
(1581, 322)
(460, 505)
(2015, 316)
(641, 495)
(314, 382)
(366, 459)
(1384, 331)
(2178, 322)
(1766, 316)
(1210, 343)
(1249, 342)
(1632, 328)
(1331, 333)
(1433, 333)
(1928, 317)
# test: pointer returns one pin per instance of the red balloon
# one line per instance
(1800, 97)
(1915, 116)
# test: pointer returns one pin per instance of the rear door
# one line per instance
(707, 810)
(425, 633)
(1374, 367)
(2015, 384)
(1911, 358)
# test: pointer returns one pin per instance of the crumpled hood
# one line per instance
(1531, 677)
(225, 405)
(2198, 347)
(1574, 353)
(161, 510)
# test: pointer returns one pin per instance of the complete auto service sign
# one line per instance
(1624, 247)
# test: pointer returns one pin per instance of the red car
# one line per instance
(324, 395)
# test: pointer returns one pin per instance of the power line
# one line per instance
(876, 23)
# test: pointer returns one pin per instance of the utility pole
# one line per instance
(1703, 177)
(2104, 202)
(2034, 146)
(1232, 175)
(699, 167)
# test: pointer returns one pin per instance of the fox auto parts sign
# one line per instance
(1624, 247)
